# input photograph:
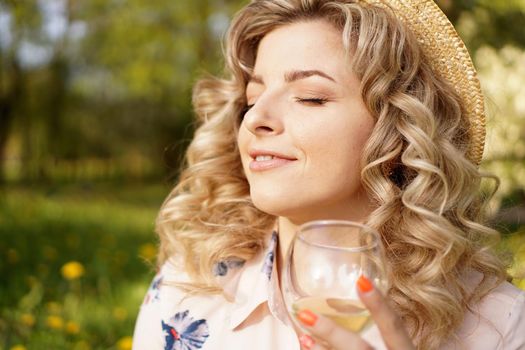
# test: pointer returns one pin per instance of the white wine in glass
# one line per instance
(322, 267)
(350, 314)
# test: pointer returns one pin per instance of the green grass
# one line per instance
(108, 229)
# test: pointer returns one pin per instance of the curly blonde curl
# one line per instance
(415, 167)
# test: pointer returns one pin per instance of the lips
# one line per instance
(268, 159)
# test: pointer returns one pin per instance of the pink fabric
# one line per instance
(256, 319)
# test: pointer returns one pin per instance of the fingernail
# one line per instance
(364, 284)
(306, 341)
(307, 317)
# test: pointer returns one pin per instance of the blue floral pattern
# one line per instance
(153, 292)
(182, 332)
(222, 267)
(270, 255)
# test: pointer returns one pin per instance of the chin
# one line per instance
(277, 204)
(299, 208)
(281, 205)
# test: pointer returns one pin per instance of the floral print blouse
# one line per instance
(256, 317)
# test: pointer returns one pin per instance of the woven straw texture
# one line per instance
(448, 57)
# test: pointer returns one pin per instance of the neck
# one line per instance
(287, 229)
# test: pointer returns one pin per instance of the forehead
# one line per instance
(312, 44)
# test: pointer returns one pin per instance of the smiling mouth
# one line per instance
(263, 158)
(268, 162)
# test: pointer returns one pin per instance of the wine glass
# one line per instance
(322, 267)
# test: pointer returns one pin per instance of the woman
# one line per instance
(364, 111)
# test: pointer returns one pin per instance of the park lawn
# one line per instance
(105, 233)
(77, 261)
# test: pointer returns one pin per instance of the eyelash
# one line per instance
(315, 101)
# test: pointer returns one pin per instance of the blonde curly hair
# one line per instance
(415, 167)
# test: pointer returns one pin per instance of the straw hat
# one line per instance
(448, 57)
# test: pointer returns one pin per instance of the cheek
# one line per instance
(240, 137)
(336, 147)
(242, 144)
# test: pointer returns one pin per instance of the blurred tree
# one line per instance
(109, 82)
(494, 23)
(502, 74)
(20, 20)
(114, 71)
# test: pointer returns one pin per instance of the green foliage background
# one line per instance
(95, 113)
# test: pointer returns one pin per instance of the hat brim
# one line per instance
(447, 55)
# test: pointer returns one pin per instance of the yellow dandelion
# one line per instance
(120, 314)
(148, 251)
(125, 343)
(18, 347)
(72, 327)
(53, 307)
(72, 270)
(28, 319)
(55, 322)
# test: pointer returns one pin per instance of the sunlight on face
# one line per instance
(302, 139)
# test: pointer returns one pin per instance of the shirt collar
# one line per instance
(258, 283)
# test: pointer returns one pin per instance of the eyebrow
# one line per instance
(293, 76)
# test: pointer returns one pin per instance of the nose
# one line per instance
(264, 117)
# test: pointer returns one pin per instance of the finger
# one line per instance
(308, 343)
(392, 329)
(318, 346)
(328, 331)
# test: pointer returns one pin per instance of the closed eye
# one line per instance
(313, 101)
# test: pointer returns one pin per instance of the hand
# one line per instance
(325, 331)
